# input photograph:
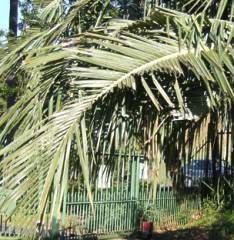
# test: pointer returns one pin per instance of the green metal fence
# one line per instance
(121, 198)
(123, 193)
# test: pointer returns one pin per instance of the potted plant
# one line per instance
(147, 217)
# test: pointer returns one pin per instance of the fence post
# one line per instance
(133, 178)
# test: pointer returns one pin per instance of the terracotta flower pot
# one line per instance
(147, 227)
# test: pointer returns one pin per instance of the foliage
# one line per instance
(147, 212)
(105, 87)
(28, 15)
(218, 222)
(213, 223)
(222, 192)
(2, 33)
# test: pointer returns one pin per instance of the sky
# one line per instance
(4, 14)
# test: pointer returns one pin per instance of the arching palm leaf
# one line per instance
(70, 81)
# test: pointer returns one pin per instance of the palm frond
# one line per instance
(129, 77)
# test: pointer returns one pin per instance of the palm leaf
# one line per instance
(71, 83)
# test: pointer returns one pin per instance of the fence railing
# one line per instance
(115, 213)
(120, 198)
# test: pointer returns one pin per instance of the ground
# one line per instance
(214, 224)
(186, 234)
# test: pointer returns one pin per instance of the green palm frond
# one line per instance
(52, 12)
(41, 3)
(59, 129)
(103, 90)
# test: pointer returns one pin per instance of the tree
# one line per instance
(111, 87)
(13, 28)
(13, 18)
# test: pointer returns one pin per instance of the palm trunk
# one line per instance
(13, 17)
(13, 22)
